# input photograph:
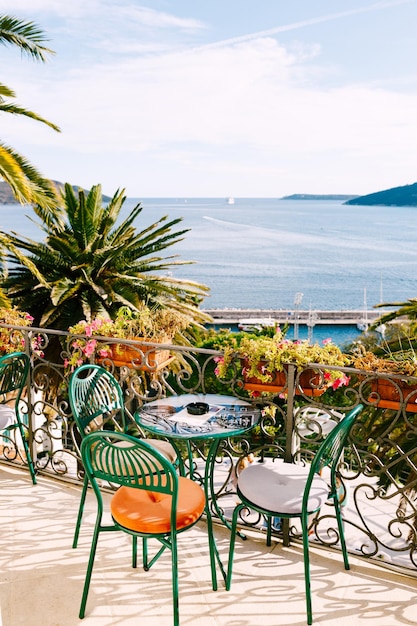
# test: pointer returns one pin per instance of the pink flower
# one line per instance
(325, 342)
(37, 342)
(29, 317)
(104, 353)
(341, 381)
(90, 347)
(219, 360)
(98, 323)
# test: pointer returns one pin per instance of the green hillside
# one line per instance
(7, 197)
(397, 196)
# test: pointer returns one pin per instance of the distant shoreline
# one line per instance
(308, 196)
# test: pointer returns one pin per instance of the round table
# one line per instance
(219, 417)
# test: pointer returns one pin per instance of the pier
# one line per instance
(293, 316)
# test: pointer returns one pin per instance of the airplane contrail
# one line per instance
(303, 23)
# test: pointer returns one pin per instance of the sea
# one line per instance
(262, 253)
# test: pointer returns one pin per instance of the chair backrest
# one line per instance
(96, 400)
(331, 449)
(128, 461)
(14, 369)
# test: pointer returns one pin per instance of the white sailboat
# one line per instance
(230, 200)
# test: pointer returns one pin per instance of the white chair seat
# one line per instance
(279, 487)
(164, 447)
(7, 416)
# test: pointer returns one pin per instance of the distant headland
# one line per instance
(396, 196)
(310, 196)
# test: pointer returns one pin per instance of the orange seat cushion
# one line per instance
(150, 512)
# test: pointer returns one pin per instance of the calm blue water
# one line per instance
(258, 253)
(340, 334)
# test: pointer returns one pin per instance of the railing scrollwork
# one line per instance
(378, 473)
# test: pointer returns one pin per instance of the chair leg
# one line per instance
(89, 568)
(269, 531)
(341, 532)
(232, 546)
(306, 554)
(174, 557)
(145, 554)
(80, 512)
(134, 551)
(26, 449)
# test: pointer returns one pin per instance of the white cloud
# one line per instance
(27, 9)
(244, 94)
(247, 112)
(159, 19)
(118, 10)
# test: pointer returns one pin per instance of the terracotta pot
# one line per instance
(309, 382)
(386, 395)
(140, 356)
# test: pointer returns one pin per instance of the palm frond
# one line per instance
(28, 185)
(406, 310)
(15, 109)
(6, 92)
(25, 35)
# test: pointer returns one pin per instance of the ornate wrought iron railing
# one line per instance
(378, 476)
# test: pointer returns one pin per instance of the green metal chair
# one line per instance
(14, 370)
(153, 501)
(289, 490)
(96, 401)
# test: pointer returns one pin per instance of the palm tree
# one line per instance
(89, 264)
(27, 184)
(396, 341)
(406, 310)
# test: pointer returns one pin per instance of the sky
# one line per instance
(218, 98)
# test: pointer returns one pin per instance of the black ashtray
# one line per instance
(197, 408)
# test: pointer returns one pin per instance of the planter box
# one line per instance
(142, 357)
(308, 383)
(389, 395)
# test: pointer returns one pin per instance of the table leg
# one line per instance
(209, 478)
(211, 501)
(214, 553)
